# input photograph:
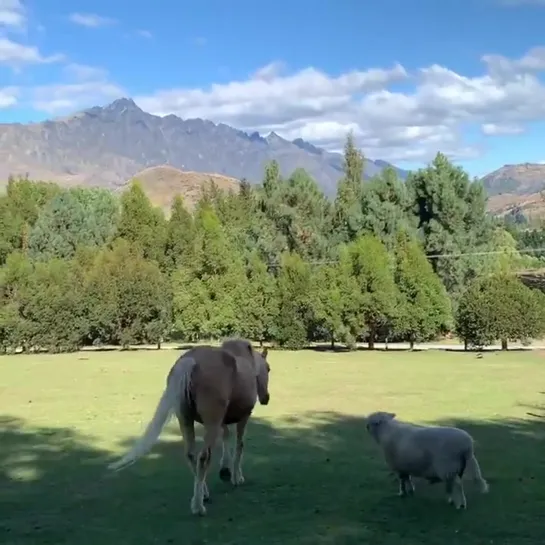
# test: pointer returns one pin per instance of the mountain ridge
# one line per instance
(108, 145)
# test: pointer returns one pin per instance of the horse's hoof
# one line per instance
(462, 506)
(225, 474)
(198, 510)
(237, 481)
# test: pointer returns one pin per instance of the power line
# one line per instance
(435, 256)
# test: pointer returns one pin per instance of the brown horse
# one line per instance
(217, 387)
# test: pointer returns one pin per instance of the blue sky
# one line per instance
(408, 77)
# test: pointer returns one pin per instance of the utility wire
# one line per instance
(443, 256)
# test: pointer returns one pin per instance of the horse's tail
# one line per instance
(176, 390)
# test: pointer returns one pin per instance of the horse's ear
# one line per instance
(265, 352)
(391, 416)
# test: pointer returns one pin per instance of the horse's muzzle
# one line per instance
(265, 400)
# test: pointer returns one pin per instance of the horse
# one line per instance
(216, 387)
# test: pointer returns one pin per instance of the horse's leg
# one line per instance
(237, 477)
(226, 460)
(211, 433)
(187, 429)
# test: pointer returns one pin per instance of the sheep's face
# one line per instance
(376, 421)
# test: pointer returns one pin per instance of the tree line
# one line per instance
(278, 262)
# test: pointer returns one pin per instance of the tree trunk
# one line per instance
(159, 344)
(504, 344)
(371, 344)
(411, 344)
(260, 343)
(332, 342)
(465, 345)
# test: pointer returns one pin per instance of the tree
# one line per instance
(53, 306)
(423, 307)
(213, 285)
(372, 270)
(499, 307)
(386, 207)
(260, 300)
(294, 301)
(332, 287)
(180, 236)
(348, 219)
(142, 224)
(451, 216)
(128, 297)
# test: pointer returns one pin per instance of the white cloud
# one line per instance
(16, 54)
(85, 86)
(492, 129)
(8, 97)
(12, 13)
(85, 72)
(144, 34)
(91, 20)
(430, 113)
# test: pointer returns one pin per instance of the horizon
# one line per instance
(473, 89)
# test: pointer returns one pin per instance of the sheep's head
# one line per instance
(375, 421)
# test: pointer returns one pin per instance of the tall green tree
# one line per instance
(295, 301)
(424, 307)
(348, 218)
(386, 207)
(451, 214)
(141, 223)
(372, 270)
(180, 236)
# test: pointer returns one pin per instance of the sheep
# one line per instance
(435, 453)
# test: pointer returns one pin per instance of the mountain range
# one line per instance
(106, 146)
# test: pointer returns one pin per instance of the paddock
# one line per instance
(312, 474)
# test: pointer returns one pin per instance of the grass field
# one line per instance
(312, 475)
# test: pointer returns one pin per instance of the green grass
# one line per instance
(312, 475)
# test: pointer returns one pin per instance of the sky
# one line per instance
(409, 78)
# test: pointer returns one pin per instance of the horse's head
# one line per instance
(243, 348)
(263, 370)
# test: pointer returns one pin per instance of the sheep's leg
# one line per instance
(455, 492)
(404, 484)
(449, 488)
(461, 502)
(411, 486)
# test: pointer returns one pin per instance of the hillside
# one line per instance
(106, 146)
(162, 183)
(522, 179)
(516, 187)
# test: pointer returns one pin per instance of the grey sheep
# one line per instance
(435, 453)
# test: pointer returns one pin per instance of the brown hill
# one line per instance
(522, 179)
(532, 206)
(162, 183)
